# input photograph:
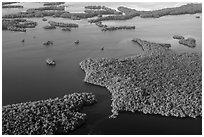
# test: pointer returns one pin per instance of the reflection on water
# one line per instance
(26, 77)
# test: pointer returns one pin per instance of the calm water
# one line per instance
(26, 77)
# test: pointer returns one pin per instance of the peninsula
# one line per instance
(158, 81)
(51, 116)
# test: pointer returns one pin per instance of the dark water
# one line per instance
(26, 77)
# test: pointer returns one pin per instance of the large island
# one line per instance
(159, 81)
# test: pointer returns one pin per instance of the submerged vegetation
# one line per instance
(51, 116)
(159, 81)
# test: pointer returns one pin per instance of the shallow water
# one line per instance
(26, 77)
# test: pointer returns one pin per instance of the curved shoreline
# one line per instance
(144, 82)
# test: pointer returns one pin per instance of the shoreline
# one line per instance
(51, 116)
(97, 72)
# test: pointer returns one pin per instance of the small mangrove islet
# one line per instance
(99, 24)
(112, 28)
(66, 29)
(51, 116)
(93, 7)
(158, 81)
(6, 3)
(49, 27)
(61, 24)
(146, 45)
(48, 43)
(190, 42)
(53, 3)
(178, 37)
(17, 24)
(44, 19)
(12, 6)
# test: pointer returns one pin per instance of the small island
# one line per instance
(66, 29)
(112, 28)
(50, 27)
(12, 6)
(190, 42)
(146, 45)
(17, 24)
(178, 37)
(61, 24)
(53, 3)
(6, 3)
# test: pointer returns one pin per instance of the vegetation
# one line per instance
(51, 116)
(130, 13)
(61, 24)
(12, 6)
(178, 37)
(17, 24)
(112, 28)
(159, 81)
(190, 42)
(53, 3)
(6, 3)
(46, 8)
